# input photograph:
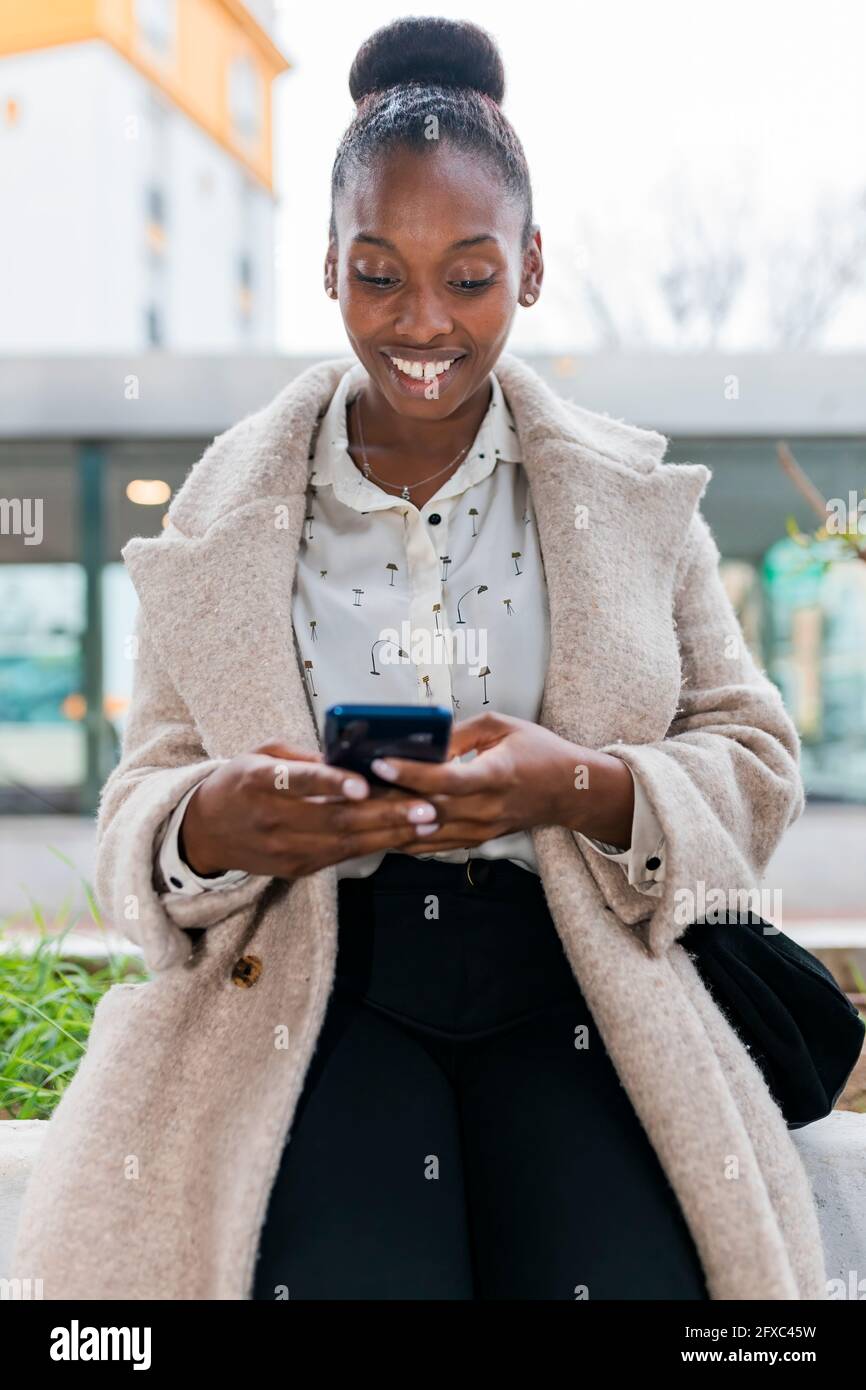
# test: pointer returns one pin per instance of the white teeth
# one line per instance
(421, 371)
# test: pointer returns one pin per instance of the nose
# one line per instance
(423, 315)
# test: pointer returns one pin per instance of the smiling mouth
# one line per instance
(416, 377)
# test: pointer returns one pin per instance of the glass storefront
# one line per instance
(67, 606)
(815, 641)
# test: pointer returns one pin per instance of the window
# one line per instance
(245, 287)
(245, 99)
(155, 227)
(153, 327)
(156, 20)
(119, 604)
(816, 654)
(42, 701)
(156, 205)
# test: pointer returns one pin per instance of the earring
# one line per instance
(529, 299)
(332, 292)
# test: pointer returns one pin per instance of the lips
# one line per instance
(422, 366)
(415, 377)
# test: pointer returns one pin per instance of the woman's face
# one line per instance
(428, 266)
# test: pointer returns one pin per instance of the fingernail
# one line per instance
(422, 812)
(426, 829)
(384, 770)
(354, 787)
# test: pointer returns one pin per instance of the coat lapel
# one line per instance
(228, 558)
(610, 528)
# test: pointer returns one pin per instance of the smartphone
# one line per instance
(356, 734)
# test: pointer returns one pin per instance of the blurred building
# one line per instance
(135, 147)
(100, 444)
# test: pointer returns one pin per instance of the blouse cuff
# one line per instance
(177, 876)
(643, 862)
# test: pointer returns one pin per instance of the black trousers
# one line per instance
(462, 1132)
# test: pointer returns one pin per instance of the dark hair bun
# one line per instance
(435, 52)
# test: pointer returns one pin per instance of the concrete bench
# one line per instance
(833, 1152)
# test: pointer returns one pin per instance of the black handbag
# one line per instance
(800, 1027)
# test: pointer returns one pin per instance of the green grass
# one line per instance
(46, 1009)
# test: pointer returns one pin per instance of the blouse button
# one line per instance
(653, 862)
(434, 518)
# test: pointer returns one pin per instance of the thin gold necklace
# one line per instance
(406, 487)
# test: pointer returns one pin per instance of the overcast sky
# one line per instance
(754, 113)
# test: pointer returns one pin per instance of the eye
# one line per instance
(468, 285)
(381, 281)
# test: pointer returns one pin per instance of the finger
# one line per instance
(369, 841)
(475, 807)
(376, 794)
(333, 849)
(466, 832)
(478, 731)
(297, 779)
(276, 748)
(454, 778)
(376, 814)
(465, 835)
(309, 819)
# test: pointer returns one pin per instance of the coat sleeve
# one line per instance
(725, 781)
(162, 757)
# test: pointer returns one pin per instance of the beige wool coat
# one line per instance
(156, 1170)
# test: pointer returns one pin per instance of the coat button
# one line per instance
(434, 518)
(246, 971)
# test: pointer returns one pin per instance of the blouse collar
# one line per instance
(496, 440)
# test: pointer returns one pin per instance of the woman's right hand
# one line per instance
(286, 813)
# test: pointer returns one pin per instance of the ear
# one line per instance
(533, 268)
(331, 270)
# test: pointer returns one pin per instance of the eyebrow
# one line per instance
(370, 240)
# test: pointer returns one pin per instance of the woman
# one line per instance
(440, 1042)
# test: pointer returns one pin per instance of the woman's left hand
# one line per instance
(522, 775)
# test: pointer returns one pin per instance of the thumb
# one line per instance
(276, 748)
(468, 734)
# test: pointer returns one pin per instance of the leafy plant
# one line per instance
(847, 541)
(47, 1002)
